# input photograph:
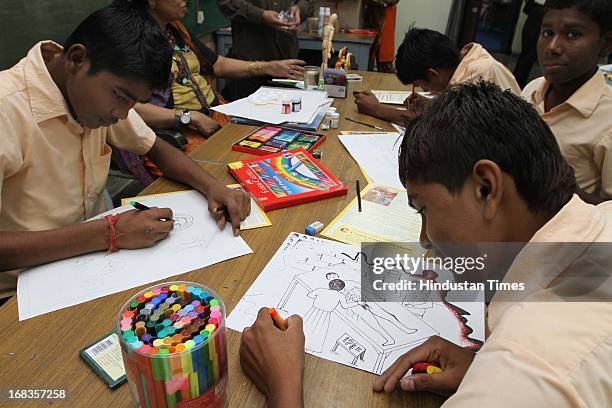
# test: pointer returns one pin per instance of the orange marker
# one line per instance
(278, 320)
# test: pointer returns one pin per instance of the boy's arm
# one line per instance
(175, 165)
(279, 375)
(367, 103)
(134, 229)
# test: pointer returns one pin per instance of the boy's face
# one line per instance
(103, 98)
(449, 218)
(437, 80)
(569, 45)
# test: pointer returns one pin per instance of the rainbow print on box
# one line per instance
(286, 178)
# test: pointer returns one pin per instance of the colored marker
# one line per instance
(278, 320)
(139, 206)
(429, 368)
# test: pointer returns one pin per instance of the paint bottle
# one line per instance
(334, 118)
(327, 116)
(296, 104)
(286, 106)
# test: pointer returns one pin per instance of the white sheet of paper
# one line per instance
(365, 335)
(395, 97)
(194, 243)
(399, 128)
(376, 154)
(253, 107)
(257, 217)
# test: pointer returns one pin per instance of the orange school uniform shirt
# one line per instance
(52, 170)
(545, 351)
(478, 64)
(582, 126)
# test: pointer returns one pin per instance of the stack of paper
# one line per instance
(265, 105)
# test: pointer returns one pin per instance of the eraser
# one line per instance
(314, 228)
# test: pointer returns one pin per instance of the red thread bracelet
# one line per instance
(111, 220)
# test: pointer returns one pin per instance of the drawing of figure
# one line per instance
(371, 313)
(316, 320)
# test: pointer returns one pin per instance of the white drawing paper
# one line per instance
(396, 97)
(265, 105)
(376, 154)
(195, 242)
(320, 280)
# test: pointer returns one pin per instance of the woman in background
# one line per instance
(185, 104)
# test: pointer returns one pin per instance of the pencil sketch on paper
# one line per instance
(195, 242)
(182, 221)
(320, 280)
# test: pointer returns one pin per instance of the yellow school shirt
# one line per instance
(52, 170)
(582, 126)
(479, 64)
(541, 352)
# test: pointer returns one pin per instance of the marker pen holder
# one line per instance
(173, 341)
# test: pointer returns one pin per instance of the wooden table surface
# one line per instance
(42, 352)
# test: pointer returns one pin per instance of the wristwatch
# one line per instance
(185, 117)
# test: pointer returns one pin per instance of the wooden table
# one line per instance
(42, 352)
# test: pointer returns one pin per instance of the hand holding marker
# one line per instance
(142, 207)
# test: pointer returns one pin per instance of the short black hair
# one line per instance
(423, 49)
(479, 121)
(125, 42)
(600, 11)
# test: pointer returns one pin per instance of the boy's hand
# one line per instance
(274, 359)
(224, 202)
(141, 229)
(367, 103)
(415, 105)
(453, 360)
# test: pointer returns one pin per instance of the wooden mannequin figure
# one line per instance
(328, 47)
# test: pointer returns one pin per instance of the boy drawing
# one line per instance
(507, 183)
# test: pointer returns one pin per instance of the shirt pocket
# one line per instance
(99, 172)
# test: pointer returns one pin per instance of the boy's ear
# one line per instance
(432, 74)
(76, 58)
(488, 186)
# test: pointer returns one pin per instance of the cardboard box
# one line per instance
(350, 12)
(335, 82)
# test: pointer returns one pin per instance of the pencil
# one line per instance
(358, 192)
(364, 124)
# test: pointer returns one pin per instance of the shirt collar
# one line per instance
(584, 100)
(46, 100)
(475, 52)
